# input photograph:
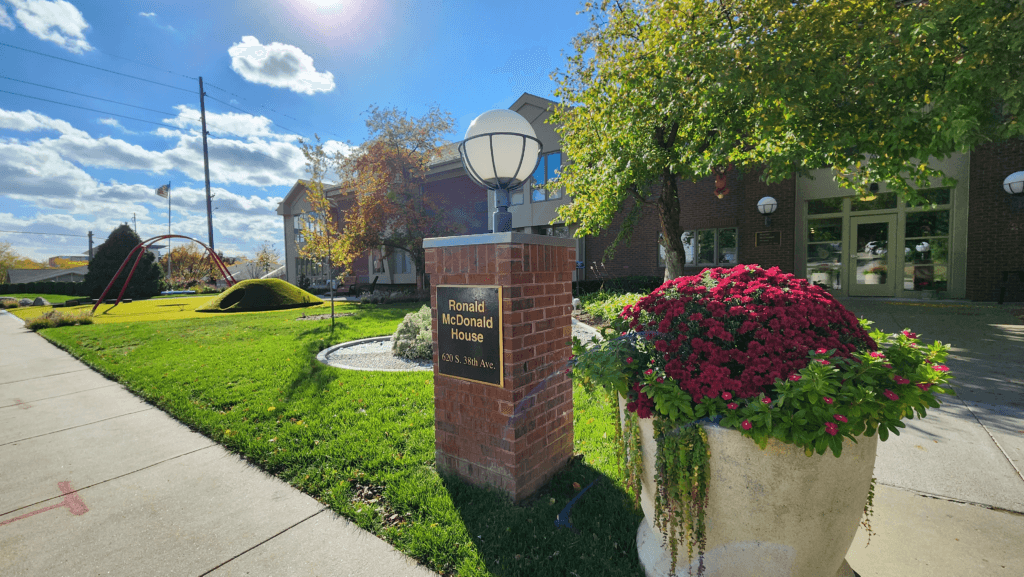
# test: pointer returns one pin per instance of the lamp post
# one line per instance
(500, 152)
(767, 206)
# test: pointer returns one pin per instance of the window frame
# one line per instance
(536, 187)
(694, 260)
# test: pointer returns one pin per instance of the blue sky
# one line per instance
(277, 69)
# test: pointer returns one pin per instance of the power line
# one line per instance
(91, 109)
(147, 65)
(244, 98)
(97, 68)
(87, 96)
(251, 114)
(50, 234)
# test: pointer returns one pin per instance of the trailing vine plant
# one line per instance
(683, 473)
(869, 509)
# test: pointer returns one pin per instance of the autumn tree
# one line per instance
(263, 261)
(386, 177)
(65, 263)
(192, 265)
(658, 92)
(7, 258)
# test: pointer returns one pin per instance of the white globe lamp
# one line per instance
(500, 152)
(767, 206)
(1014, 184)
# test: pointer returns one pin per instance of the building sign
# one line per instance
(469, 333)
(768, 238)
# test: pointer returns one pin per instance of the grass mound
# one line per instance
(260, 295)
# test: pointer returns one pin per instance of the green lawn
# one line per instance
(363, 442)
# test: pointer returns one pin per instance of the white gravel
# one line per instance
(374, 354)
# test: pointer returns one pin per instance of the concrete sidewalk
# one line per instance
(95, 481)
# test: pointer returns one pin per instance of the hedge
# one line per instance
(73, 289)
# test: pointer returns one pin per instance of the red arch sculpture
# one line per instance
(141, 249)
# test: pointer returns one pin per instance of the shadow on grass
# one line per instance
(523, 540)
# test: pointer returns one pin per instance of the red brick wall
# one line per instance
(700, 209)
(995, 230)
(517, 436)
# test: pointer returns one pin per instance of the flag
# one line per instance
(163, 190)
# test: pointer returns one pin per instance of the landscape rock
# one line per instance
(40, 302)
(24, 302)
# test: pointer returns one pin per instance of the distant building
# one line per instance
(22, 275)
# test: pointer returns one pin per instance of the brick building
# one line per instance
(957, 247)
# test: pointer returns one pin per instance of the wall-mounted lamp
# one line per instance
(767, 206)
(1014, 184)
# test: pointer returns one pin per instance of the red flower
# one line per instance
(923, 386)
(746, 425)
(831, 428)
(727, 396)
(941, 368)
(910, 335)
(877, 355)
(766, 400)
(821, 351)
(794, 377)
(828, 400)
(732, 405)
(824, 362)
(839, 418)
(892, 396)
(660, 380)
(900, 380)
(629, 360)
(649, 372)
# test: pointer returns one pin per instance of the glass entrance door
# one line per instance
(872, 270)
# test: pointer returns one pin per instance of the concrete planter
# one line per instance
(773, 513)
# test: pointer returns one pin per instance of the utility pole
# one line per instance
(206, 163)
(90, 246)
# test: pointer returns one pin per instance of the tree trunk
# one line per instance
(419, 261)
(671, 230)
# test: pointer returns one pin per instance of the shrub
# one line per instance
(388, 297)
(54, 319)
(108, 258)
(412, 340)
(8, 303)
(607, 305)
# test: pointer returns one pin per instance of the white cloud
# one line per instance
(147, 14)
(333, 146)
(113, 122)
(56, 21)
(230, 124)
(278, 65)
(5, 20)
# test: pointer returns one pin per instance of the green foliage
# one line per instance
(872, 89)
(413, 340)
(607, 306)
(109, 256)
(260, 295)
(682, 475)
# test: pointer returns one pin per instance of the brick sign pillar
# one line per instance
(507, 424)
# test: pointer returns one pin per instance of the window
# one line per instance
(825, 252)
(401, 262)
(547, 169)
(926, 244)
(556, 230)
(709, 247)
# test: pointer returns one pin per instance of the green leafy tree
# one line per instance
(658, 92)
(322, 240)
(108, 258)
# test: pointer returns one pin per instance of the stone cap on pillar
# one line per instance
(499, 238)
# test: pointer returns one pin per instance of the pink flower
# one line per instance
(726, 396)
(941, 368)
(824, 362)
(821, 351)
(828, 400)
(877, 355)
(568, 371)
(887, 365)
(629, 360)
(794, 377)
(923, 386)
(839, 418)
(623, 333)
(746, 425)
(660, 380)
(649, 372)
(732, 406)
(910, 335)
(831, 428)
(900, 380)
(766, 400)
(892, 396)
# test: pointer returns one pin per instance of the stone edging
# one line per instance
(322, 356)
